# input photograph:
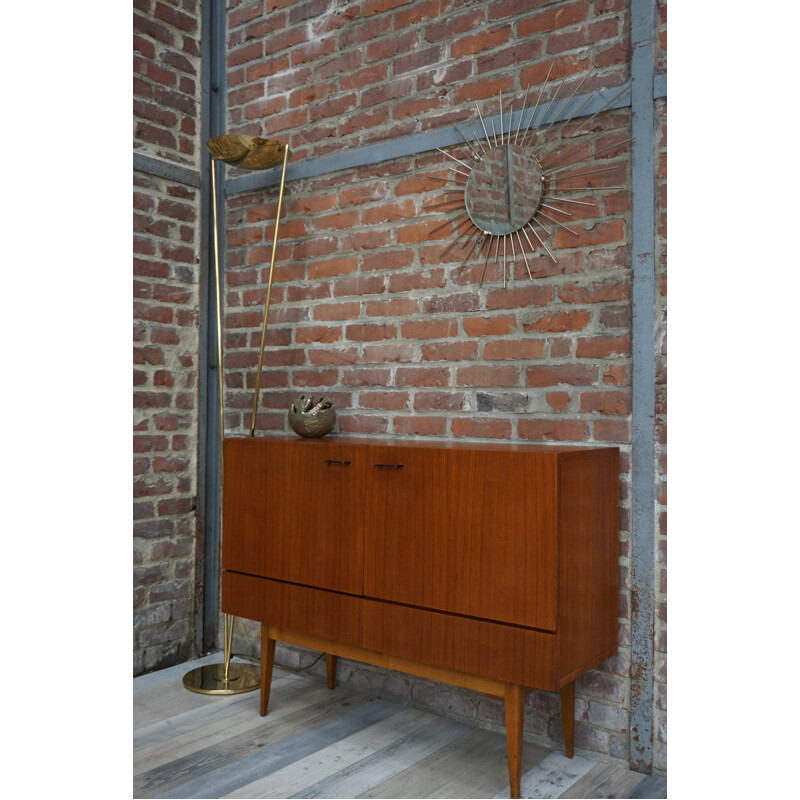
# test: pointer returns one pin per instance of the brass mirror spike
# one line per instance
(246, 152)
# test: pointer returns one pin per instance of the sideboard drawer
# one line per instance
(504, 652)
(329, 615)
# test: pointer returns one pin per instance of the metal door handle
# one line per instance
(334, 461)
(389, 466)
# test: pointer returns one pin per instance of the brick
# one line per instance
(516, 349)
(422, 376)
(333, 266)
(516, 298)
(599, 233)
(418, 59)
(151, 71)
(450, 351)
(420, 426)
(185, 22)
(334, 355)
(166, 293)
(337, 311)
(425, 279)
(383, 93)
(615, 431)
(360, 423)
(361, 194)
(370, 332)
(553, 430)
(572, 374)
(552, 19)
(149, 443)
(483, 89)
(618, 403)
(148, 355)
(341, 220)
(429, 329)
(616, 374)
(391, 212)
(440, 401)
(305, 378)
(419, 12)
(503, 401)
(367, 377)
(559, 401)
(387, 260)
(387, 401)
(163, 378)
(600, 292)
(451, 303)
(499, 325)
(401, 307)
(424, 231)
(487, 376)
(384, 353)
(559, 322)
(452, 24)
(479, 42)
(603, 346)
(482, 428)
(336, 106)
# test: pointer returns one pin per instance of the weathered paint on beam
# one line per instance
(643, 19)
(166, 169)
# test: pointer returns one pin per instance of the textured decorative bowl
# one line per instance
(309, 419)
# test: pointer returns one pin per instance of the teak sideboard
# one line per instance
(488, 566)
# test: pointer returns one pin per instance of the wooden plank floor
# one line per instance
(321, 743)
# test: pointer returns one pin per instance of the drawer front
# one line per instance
(503, 652)
(328, 615)
(293, 511)
(468, 532)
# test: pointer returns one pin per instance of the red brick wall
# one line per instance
(165, 331)
(369, 310)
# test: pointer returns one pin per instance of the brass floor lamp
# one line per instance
(246, 152)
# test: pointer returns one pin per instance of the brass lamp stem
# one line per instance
(218, 294)
(269, 295)
(227, 637)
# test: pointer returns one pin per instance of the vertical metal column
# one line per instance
(212, 124)
(643, 17)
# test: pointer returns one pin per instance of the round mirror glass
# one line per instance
(504, 190)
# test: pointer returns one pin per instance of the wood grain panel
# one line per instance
(468, 531)
(328, 615)
(292, 511)
(589, 562)
(501, 652)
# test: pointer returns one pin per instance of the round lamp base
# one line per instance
(210, 679)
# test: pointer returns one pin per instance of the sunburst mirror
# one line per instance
(510, 188)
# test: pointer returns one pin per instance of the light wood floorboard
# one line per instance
(341, 743)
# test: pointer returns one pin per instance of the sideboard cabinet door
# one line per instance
(472, 532)
(293, 511)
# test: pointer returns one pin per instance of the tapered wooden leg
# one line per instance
(330, 662)
(267, 660)
(568, 716)
(515, 716)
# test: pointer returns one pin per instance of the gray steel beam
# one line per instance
(166, 169)
(643, 22)
(353, 157)
(212, 124)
